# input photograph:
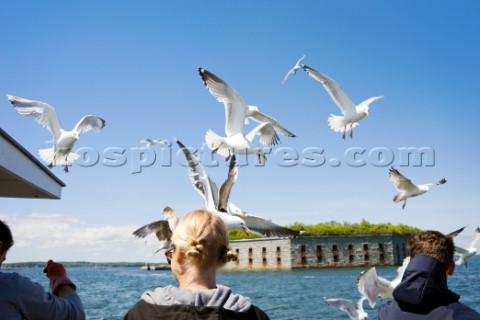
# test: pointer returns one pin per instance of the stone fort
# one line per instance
(318, 252)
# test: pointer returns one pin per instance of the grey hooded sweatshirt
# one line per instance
(176, 303)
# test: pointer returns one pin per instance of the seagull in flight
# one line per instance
(61, 152)
(294, 70)
(351, 114)
(217, 200)
(236, 112)
(163, 229)
(150, 142)
(471, 250)
(371, 286)
(347, 306)
(407, 188)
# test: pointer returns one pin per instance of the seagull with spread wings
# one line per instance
(236, 113)
(352, 114)
(162, 228)
(150, 142)
(294, 70)
(61, 152)
(347, 306)
(217, 200)
(471, 250)
(371, 286)
(407, 188)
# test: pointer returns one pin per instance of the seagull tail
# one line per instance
(48, 155)
(337, 123)
(216, 143)
(57, 158)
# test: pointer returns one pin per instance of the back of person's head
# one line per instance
(5, 237)
(203, 238)
(434, 244)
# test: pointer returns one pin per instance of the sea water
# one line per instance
(108, 292)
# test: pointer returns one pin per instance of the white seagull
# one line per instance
(61, 152)
(217, 200)
(294, 70)
(214, 202)
(150, 142)
(371, 286)
(347, 306)
(407, 188)
(351, 114)
(236, 112)
(471, 250)
(163, 228)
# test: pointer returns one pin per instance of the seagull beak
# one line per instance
(247, 231)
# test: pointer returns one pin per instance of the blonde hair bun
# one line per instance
(230, 256)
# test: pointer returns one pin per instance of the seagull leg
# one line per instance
(404, 204)
(50, 166)
(229, 155)
(65, 169)
(344, 132)
(351, 131)
(259, 159)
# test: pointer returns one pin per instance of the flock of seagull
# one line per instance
(235, 142)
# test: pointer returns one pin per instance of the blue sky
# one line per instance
(134, 63)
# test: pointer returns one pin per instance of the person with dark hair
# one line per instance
(423, 292)
(21, 298)
(199, 248)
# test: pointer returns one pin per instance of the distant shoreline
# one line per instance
(72, 264)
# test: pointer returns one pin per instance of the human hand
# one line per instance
(58, 276)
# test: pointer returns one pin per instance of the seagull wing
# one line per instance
(235, 107)
(288, 74)
(460, 250)
(400, 272)
(260, 117)
(344, 305)
(336, 92)
(456, 232)
(475, 239)
(90, 122)
(371, 286)
(227, 186)
(366, 285)
(160, 228)
(199, 178)
(299, 61)
(172, 217)
(401, 182)
(267, 228)
(266, 131)
(42, 112)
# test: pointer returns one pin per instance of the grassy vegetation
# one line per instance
(237, 234)
(337, 228)
(345, 228)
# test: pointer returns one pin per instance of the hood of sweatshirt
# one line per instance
(424, 286)
(221, 297)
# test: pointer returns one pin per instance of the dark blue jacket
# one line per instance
(423, 294)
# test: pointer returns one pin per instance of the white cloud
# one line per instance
(62, 237)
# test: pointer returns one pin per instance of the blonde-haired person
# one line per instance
(199, 248)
